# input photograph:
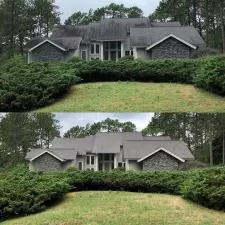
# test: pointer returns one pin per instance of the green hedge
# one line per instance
(25, 87)
(23, 193)
(206, 187)
(211, 75)
(159, 182)
(179, 71)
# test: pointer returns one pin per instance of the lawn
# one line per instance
(116, 208)
(137, 97)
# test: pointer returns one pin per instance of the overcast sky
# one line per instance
(68, 120)
(67, 7)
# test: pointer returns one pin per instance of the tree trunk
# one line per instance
(211, 153)
(222, 24)
(223, 147)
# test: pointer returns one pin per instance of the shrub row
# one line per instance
(211, 75)
(24, 87)
(177, 71)
(206, 187)
(23, 193)
(158, 182)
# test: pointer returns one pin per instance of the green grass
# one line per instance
(116, 208)
(137, 97)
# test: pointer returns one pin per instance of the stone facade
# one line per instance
(161, 161)
(171, 49)
(47, 162)
(48, 52)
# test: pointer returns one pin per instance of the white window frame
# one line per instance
(95, 48)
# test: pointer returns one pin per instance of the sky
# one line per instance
(69, 120)
(68, 7)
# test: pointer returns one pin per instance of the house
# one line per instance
(107, 151)
(111, 39)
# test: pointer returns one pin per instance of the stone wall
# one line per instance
(169, 49)
(160, 161)
(47, 162)
(47, 53)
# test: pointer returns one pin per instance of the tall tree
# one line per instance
(21, 131)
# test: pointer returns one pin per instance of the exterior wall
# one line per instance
(48, 52)
(171, 48)
(161, 161)
(141, 53)
(46, 162)
(134, 165)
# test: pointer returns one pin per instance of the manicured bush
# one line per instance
(180, 71)
(211, 74)
(206, 187)
(23, 193)
(159, 182)
(25, 87)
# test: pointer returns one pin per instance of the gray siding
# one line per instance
(160, 161)
(134, 165)
(47, 162)
(171, 48)
(143, 54)
(48, 52)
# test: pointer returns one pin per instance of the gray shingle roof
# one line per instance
(79, 145)
(157, 138)
(166, 24)
(139, 149)
(107, 29)
(65, 154)
(148, 36)
(135, 146)
(69, 43)
(111, 142)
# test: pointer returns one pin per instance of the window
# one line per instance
(92, 48)
(80, 166)
(97, 48)
(112, 50)
(107, 157)
(84, 55)
(90, 160)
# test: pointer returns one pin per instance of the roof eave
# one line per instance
(171, 36)
(50, 42)
(161, 149)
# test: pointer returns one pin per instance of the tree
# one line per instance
(111, 11)
(134, 12)
(46, 129)
(24, 19)
(19, 132)
(199, 131)
(205, 15)
(108, 125)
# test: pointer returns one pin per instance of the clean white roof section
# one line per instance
(50, 42)
(50, 153)
(158, 150)
(171, 36)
